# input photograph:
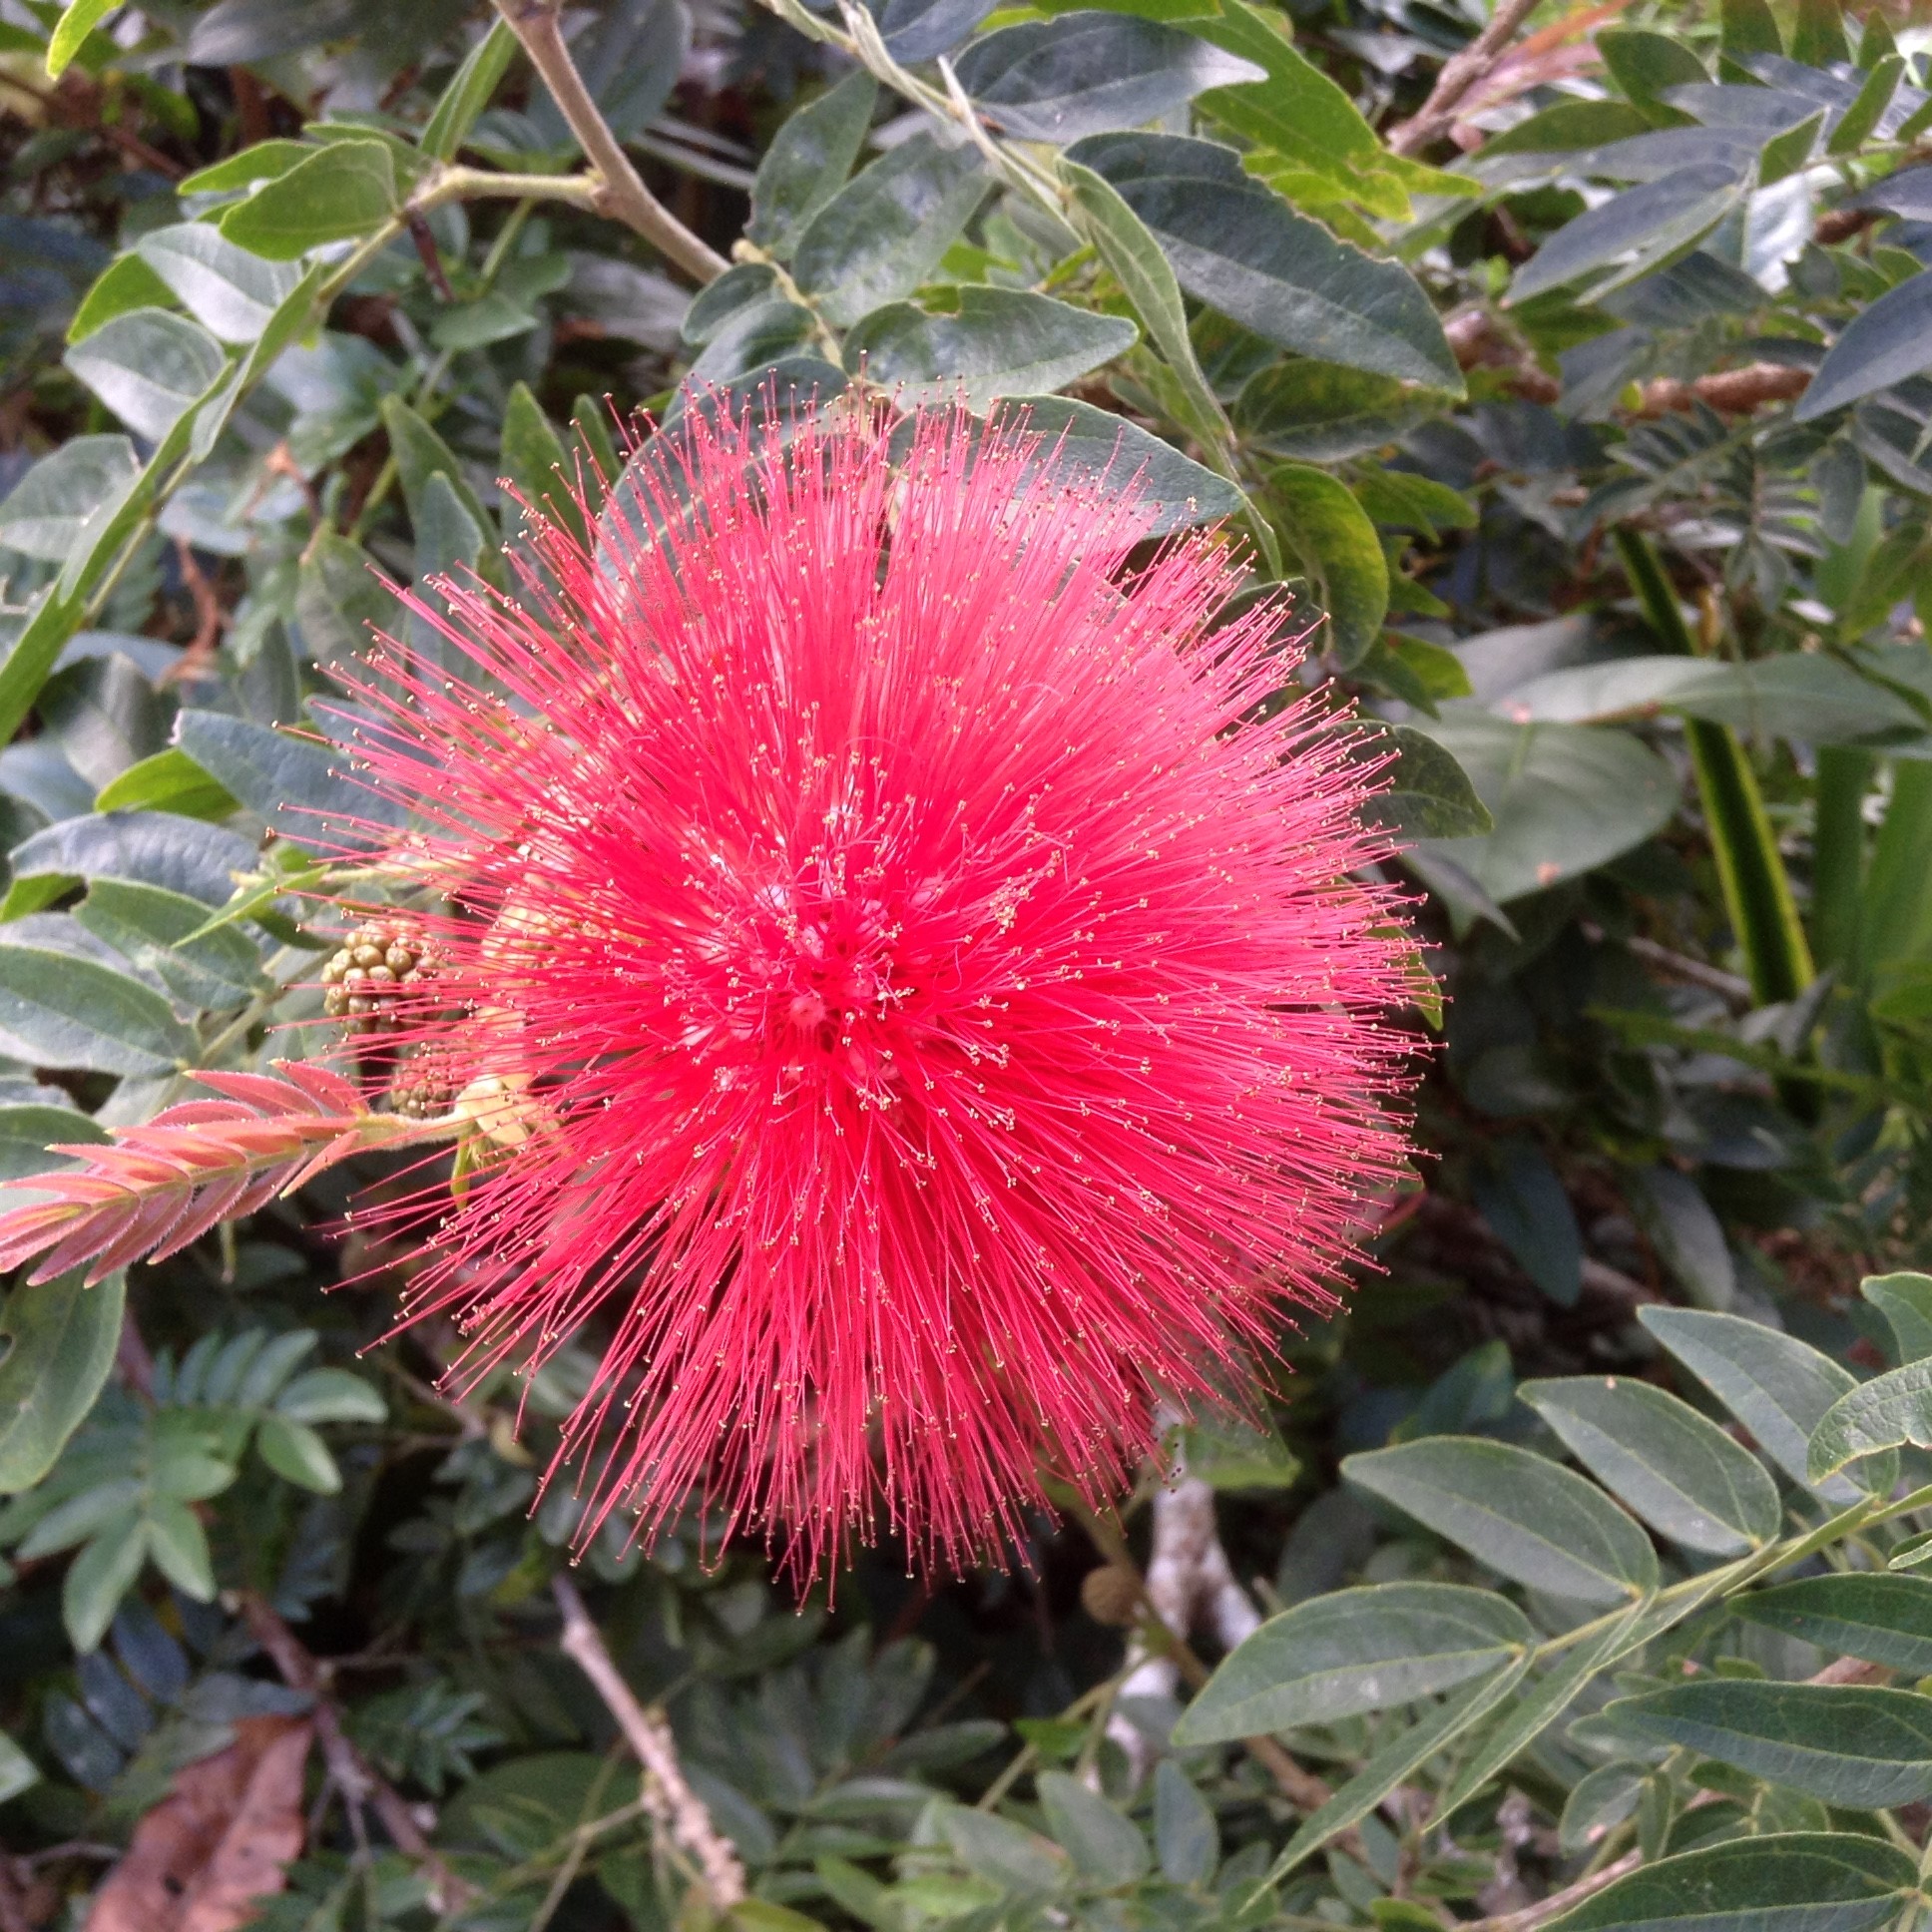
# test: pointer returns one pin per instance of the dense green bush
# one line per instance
(1577, 369)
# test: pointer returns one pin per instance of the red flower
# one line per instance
(911, 982)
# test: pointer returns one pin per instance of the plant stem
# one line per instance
(617, 189)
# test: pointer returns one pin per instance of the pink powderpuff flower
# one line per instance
(904, 971)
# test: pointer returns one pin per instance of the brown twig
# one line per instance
(1302, 1787)
(357, 1778)
(1731, 392)
(1460, 73)
(622, 194)
(666, 1791)
(1546, 1909)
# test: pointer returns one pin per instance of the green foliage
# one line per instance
(1587, 448)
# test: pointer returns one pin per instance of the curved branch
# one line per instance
(621, 192)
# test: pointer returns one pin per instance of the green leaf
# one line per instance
(1001, 342)
(1884, 1413)
(807, 161)
(1397, 1760)
(1329, 536)
(54, 617)
(534, 460)
(1880, 345)
(340, 599)
(149, 847)
(267, 1370)
(170, 780)
(71, 29)
(917, 30)
(1121, 241)
(1905, 1301)
(1631, 233)
(1104, 1845)
(1819, 35)
(127, 283)
(1406, 501)
(1320, 412)
(1238, 247)
(1225, 1453)
(421, 454)
(152, 926)
(1676, 1468)
(1098, 450)
(1089, 71)
(62, 1339)
(148, 367)
(99, 1576)
(178, 1546)
(1003, 1853)
(27, 1131)
(1883, 1619)
(1430, 796)
(1187, 1838)
(1545, 1701)
(233, 295)
(883, 232)
(1750, 27)
(297, 1453)
(297, 783)
(1796, 695)
(468, 92)
(17, 1771)
(1851, 1744)
(1522, 1197)
(330, 1395)
(266, 160)
(63, 1005)
(335, 194)
(1874, 97)
(1778, 1387)
(1524, 1516)
(1351, 1651)
(1563, 798)
(1646, 64)
(52, 510)
(1689, 1236)
(1800, 1882)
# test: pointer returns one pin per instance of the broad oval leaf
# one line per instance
(1428, 795)
(64, 1002)
(1880, 345)
(1004, 1853)
(62, 1339)
(1187, 1838)
(48, 512)
(1852, 1745)
(1320, 412)
(1526, 1517)
(1563, 798)
(150, 848)
(806, 164)
(1088, 72)
(1350, 1652)
(1905, 1301)
(1634, 231)
(883, 232)
(1798, 695)
(918, 30)
(1000, 342)
(1883, 1618)
(297, 783)
(336, 195)
(148, 367)
(1676, 1468)
(232, 292)
(1099, 450)
(1240, 249)
(1798, 1881)
(1778, 1387)
(1875, 1416)
(1104, 1845)
(1328, 535)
